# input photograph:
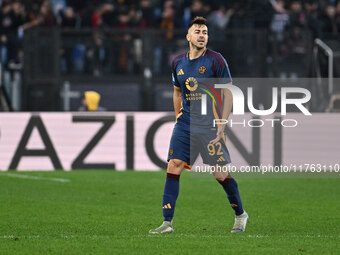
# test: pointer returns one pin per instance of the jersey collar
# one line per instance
(203, 53)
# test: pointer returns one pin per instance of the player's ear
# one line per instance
(188, 37)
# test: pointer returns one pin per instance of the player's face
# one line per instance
(198, 36)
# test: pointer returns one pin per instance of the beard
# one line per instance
(197, 47)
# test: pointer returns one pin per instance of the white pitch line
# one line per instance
(7, 237)
(22, 176)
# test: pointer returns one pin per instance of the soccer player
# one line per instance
(189, 134)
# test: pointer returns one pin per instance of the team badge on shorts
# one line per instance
(171, 152)
(202, 69)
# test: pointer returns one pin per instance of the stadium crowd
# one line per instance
(322, 17)
(166, 13)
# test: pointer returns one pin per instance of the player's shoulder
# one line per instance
(216, 57)
(177, 59)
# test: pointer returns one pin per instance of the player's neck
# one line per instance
(196, 53)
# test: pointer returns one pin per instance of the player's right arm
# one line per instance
(177, 98)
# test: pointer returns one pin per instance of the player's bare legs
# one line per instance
(230, 187)
(171, 190)
(175, 166)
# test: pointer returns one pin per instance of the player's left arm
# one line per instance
(227, 103)
(227, 106)
(224, 73)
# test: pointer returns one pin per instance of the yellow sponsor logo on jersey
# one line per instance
(180, 72)
(191, 84)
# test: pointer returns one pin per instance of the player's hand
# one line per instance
(219, 135)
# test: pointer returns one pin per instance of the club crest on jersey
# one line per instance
(171, 152)
(191, 84)
(202, 69)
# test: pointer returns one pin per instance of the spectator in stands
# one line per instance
(78, 5)
(12, 16)
(280, 19)
(219, 19)
(260, 11)
(123, 20)
(241, 16)
(168, 19)
(107, 13)
(46, 16)
(97, 15)
(337, 17)
(96, 20)
(294, 39)
(168, 22)
(300, 15)
(297, 17)
(68, 18)
(87, 14)
(328, 21)
(125, 39)
(311, 9)
(147, 12)
(136, 18)
(197, 8)
(92, 13)
(32, 8)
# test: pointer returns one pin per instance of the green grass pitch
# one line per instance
(110, 212)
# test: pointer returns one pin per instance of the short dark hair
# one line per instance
(198, 20)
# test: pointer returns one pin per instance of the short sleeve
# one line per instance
(174, 77)
(223, 70)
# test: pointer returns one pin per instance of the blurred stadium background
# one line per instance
(54, 50)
